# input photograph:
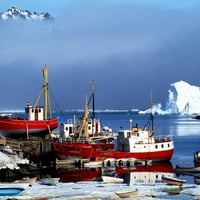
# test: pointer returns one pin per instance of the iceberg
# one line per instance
(183, 98)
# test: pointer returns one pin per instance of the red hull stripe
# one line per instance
(106, 151)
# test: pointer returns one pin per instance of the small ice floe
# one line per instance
(127, 193)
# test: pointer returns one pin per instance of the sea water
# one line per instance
(186, 133)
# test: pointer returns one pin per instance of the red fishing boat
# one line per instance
(135, 142)
(37, 120)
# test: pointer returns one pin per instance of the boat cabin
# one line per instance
(140, 136)
(34, 113)
(127, 140)
(69, 128)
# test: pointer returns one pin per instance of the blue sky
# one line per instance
(56, 8)
(52, 6)
(131, 48)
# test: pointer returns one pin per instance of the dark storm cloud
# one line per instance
(128, 49)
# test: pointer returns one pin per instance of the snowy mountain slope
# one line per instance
(15, 13)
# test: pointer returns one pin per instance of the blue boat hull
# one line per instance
(10, 191)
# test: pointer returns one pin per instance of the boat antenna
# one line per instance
(152, 116)
(92, 98)
(93, 102)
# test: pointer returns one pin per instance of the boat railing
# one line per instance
(75, 140)
(163, 138)
(92, 140)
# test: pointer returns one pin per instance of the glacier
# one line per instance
(183, 98)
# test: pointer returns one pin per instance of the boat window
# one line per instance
(156, 146)
(32, 110)
(162, 145)
(39, 110)
(168, 145)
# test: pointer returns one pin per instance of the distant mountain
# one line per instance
(15, 13)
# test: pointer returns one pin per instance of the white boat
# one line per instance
(143, 145)
(30, 181)
(49, 181)
(173, 181)
(126, 193)
(110, 179)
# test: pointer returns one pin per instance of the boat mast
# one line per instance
(92, 96)
(85, 119)
(45, 89)
(93, 106)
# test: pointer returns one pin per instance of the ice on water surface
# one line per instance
(102, 191)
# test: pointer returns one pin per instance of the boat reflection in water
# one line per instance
(137, 175)
(77, 175)
(146, 174)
